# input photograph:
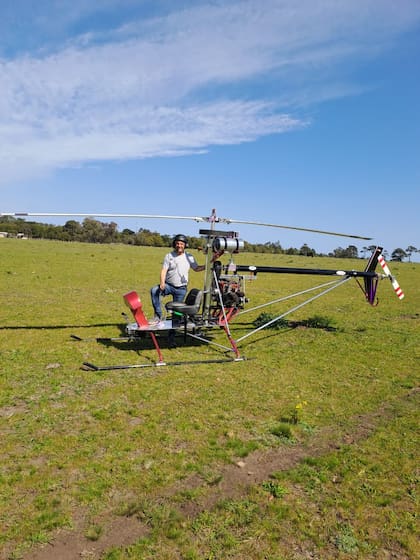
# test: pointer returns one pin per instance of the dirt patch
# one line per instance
(72, 545)
(234, 481)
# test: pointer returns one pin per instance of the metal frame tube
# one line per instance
(337, 284)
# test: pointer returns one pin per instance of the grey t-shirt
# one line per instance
(178, 267)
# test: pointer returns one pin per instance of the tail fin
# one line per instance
(371, 282)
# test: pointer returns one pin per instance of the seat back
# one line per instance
(133, 301)
(194, 298)
(190, 306)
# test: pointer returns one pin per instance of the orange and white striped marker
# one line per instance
(395, 285)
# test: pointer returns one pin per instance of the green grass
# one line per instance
(80, 448)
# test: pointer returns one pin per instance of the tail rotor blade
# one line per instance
(395, 285)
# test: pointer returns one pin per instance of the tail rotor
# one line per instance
(394, 282)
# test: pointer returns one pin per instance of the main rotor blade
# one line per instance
(98, 215)
(213, 219)
(324, 232)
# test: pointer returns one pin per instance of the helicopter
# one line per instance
(223, 296)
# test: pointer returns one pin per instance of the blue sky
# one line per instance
(297, 113)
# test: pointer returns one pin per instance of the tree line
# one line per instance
(94, 231)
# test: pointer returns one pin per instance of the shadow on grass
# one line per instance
(56, 327)
(269, 333)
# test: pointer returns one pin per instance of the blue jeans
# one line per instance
(178, 294)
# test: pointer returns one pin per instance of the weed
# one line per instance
(319, 322)
(93, 532)
(274, 489)
(295, 414)
(212, 479)
(239, 513)
(241, 448)
(345, 541)
(282, 430)
(277, 324)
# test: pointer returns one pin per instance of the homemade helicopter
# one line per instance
(223, 296)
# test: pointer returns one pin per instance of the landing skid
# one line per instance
(92, 367)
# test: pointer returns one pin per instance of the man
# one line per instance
(174, 275)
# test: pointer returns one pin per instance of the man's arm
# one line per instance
(194, 264)
(163, 277)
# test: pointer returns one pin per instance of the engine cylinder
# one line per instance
(232, 245)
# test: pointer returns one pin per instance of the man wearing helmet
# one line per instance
(174, 275)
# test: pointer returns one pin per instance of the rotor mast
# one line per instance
(208, 274)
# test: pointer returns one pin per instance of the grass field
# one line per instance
(306, 450)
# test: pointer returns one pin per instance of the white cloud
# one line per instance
(154, 89)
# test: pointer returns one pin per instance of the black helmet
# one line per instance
(180, 237)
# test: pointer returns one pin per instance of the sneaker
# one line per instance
(155, 321)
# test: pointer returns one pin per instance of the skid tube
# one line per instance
(92, 367)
